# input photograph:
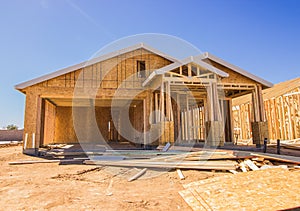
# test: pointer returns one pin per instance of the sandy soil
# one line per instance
(82, 187)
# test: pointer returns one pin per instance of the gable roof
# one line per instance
(92, 61)
(237, 69)
(276, 91)
(196, 59)
(192, 59)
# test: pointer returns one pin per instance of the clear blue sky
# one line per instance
(41, 36)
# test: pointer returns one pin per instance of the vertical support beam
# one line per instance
(145, 122)
(231, 120)
(178, 117)
(259, 126)
(156, 108)
(187, 126)
(168, 101)
(214, 126)
(189, 70)
(162, 103)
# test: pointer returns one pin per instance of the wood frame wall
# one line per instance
(281, 112)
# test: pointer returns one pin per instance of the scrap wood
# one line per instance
(180, 174)
(32, 162)
(166, 147)
(242, 165)
(291, 146)
(233, 171)
(139, 174)
(282, 158)
(251, 165)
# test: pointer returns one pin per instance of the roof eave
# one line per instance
(262, 81)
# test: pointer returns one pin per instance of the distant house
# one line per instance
(282, 111)
(11, 135)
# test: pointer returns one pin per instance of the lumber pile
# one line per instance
(232, 192)
(201, 160)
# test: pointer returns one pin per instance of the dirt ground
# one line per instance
(49, 186)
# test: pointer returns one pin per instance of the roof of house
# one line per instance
(92, 61)
(153, 50)
(11, 135)
(237, 69)
(276, 91)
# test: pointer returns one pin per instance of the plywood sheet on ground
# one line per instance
(274, 189)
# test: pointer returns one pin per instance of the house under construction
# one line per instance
(140, 95)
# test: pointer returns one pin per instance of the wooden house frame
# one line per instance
(282, 111)
(191, 96)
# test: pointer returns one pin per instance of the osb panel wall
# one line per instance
(136, 115)
(234, 77)
(49, 123)
(32, 119)
(112, 72)
(119, 68)
(103, 116)
(64, 129)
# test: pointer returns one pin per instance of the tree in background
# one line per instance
(12, 127)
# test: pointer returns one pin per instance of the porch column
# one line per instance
(259, 124)
(214, 125)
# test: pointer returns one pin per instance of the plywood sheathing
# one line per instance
(62, 87)
(232, 192)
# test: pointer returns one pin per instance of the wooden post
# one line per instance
(178, 117)
(278, 146)
(162, 103)
(156, 108)
(25, 141)
(189, 70)
(187, 119)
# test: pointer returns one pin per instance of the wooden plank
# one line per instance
(281, 158)
(21, 162)
(138, 175)
(180, 174)
(205, 165)
(243, 166)
(251, 165)
(233, 171)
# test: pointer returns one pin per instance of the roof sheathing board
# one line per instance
(237, 69)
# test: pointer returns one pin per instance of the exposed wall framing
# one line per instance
(282, 112)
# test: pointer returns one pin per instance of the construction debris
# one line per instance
(224, 192)
(139, 174)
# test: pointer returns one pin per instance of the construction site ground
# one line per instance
(49, 186)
